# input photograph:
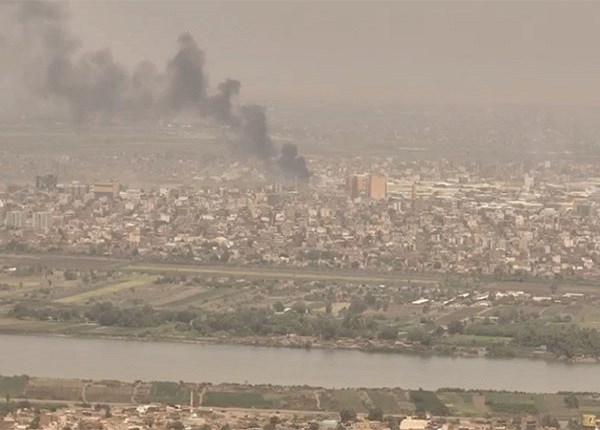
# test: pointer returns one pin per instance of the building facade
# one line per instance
(42, 220)
(15, 219)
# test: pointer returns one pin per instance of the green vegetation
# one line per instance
(512, 408)
(8, 407)
(459, 403)
(347, 415)
(109, 289)
(232, 303)
(385, 401)
(375, 414)
(571, 401)
(374, 403)
(338, 399)
(272, 273)
(428, 401)
(170, 393)
(501, 339)
(239, 322)
(568, 340)
(245, 399)
(13, 386)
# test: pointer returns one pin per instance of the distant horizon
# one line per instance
(357, 52)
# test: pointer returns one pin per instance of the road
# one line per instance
(291, 273)
(92, 262)
(71, 403)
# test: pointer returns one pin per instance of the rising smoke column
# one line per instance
(90, 85)
(291, 164)
(221, 105)
(254, 133)
(186, 78)
(96, 87)
(143, 94)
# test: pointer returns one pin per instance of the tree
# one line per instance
(300, 308)
(35, 422)
(393, 422)
(420, 335)
(388, 333)
(573, 424)
(314, 426)
(70, 275)
(455, 327)
(375, 414)
(571, 401)
(550, 421)
(347, 415)
(278, 307)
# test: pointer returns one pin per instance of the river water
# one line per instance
(133, 360)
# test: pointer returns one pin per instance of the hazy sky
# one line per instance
(367, 51)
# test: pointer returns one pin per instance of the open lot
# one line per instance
(134, 282)
(299, 274)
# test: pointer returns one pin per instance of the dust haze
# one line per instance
(95, 88)
(314, 73)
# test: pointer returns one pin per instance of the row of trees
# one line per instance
(561, 339)
(565, 340)
(240, 322)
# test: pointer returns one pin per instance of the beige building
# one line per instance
(357, 185)
(377, 188)
(106, 189)
(413, 424)
(371, 186)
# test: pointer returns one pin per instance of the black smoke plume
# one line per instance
(90, 85)
(221, 105)
(96, 88)
(254, 131)
(142, 95)
(293, 165)
(185, 74)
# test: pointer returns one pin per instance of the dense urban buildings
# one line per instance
(442, 216)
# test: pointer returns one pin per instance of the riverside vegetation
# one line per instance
(374, 402)
(451, 315)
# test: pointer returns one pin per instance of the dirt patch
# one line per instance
(177, 297)
(54, 389)
(109, 393)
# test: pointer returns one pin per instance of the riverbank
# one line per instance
(445, 402)
(223, 305)
(154, 334)
(92, 331)
(199, 360)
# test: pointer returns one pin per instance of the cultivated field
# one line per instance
(102, 292)
(390, 401)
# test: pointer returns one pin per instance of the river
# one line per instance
(135, 360)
